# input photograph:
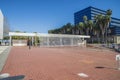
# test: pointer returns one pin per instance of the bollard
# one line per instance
(118, 61)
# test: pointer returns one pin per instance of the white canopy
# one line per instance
(46, 35)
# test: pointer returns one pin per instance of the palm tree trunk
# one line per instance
(98, 38)
(107, 32)
(87, 31)
(73, 31)
(91, 35)
(103, 32)
(106, 35)
(92, 39)
(103, 40)
(81, 32)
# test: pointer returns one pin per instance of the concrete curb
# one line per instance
(3, 57)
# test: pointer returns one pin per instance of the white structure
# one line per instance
(4, 27)
(49, 40)
(118, 61)
(1, 25)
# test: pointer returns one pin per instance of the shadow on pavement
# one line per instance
(101, 67)
(19, 77)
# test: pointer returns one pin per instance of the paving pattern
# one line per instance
(62, 63)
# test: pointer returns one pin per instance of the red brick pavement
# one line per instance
(61, 64)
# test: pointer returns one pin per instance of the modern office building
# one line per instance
(4, 26)
(90, 12)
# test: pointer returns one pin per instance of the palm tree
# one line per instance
(81, 27)
(100, 21)
(103, 22)
(73, 30)
(109, 12)
(107, 20)
(96, 31)
(86, 24)
(64, 29)
(68, 28)
(90, 27)
(77, 30)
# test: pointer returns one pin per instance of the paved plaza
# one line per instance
(62, 63)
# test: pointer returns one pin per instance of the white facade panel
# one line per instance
(1, 25)
(4, 26)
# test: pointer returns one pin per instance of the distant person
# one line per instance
(29, 43)
(5, 42)
(34, 43)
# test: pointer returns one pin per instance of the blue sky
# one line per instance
(43, 15)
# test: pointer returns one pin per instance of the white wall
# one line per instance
(1, 25)
(4, 26)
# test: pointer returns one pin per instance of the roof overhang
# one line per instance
(46, 35)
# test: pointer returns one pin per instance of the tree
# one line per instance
(103, 22)
(107, 19)
(73, 30)
(77, 30)
(100, 21)
(68, 28)
(109, 12)
(96, 29)
(90, 27)
(81, 27)
(86, 24)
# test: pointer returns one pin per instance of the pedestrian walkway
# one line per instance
(2, 48)
(61, 63)
(4, 51)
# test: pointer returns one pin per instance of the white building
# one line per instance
(4, 27)
(49, 40)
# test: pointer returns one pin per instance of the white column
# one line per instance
(10, 42)
(47, 41)
(61, 42)
(71, 41)
(39, 40)
(78, 42)
(32, 40)
(84, 42)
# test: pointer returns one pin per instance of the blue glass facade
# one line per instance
(115, 30)
(90, 12)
